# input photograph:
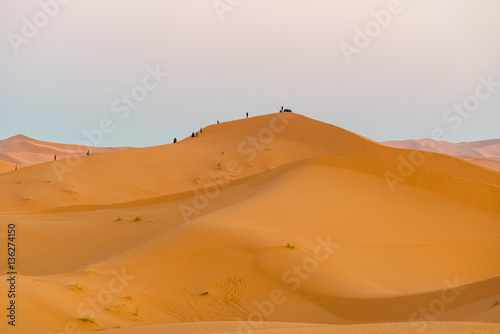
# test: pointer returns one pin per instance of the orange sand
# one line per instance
(485, 152)
(25, 151)
(192, 237)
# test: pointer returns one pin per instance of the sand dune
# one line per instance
(273, 224)
(227, 151)
(6, 166)
(486, 152)
(295, 328)
(489, 148)
(25, 151)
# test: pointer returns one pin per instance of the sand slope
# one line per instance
(239, 149)
(25, 151)
(277, 218)
(297, 328)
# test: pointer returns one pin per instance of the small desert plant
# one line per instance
(76, 286)
(136, 312)
(49, 181)
(204, 293)
(222, 152)
(268, 148)
(118, 219)
(138, 219)
(87, 319)
(129, 297)
(496, 302)
(219, 166)
(28, 198)
(290, 245)
(197, 180)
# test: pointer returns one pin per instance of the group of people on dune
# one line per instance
(195, 134)
(55, 156)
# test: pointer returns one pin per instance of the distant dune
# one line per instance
(25, 151)
(272, 224)
(486, 152)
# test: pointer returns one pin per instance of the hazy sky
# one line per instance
(64, 72)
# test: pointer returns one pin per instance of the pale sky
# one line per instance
(228, 57)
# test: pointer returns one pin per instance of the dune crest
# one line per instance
(272, 224)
